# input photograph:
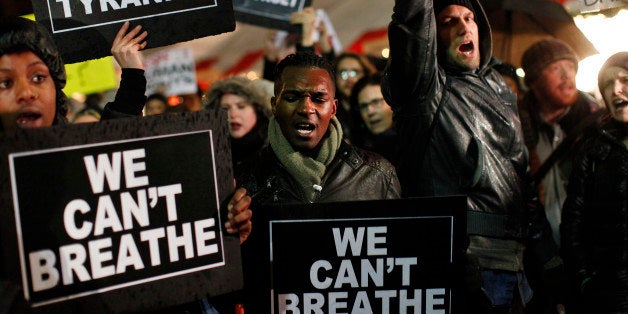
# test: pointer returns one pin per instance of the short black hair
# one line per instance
(304, 60)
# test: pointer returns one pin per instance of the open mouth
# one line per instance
(304, 129)
(466, 48)
(234, 126)
(27, 118)
(620, 104)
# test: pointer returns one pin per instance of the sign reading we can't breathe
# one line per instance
(392, 256)
(110, 216)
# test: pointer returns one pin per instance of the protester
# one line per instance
(247, 115)
(156, 104)
(192, 102)
(375, 130)
(459, 134)
(33, 75)
(349, 67)
(307, 160)
(551, 111)
(594, 216)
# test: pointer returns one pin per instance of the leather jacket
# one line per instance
(594, 228)
(459, 131)
(353, 175)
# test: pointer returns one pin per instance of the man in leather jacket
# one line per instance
(459, 133)
(307, 160)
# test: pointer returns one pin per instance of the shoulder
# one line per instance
(356, 158)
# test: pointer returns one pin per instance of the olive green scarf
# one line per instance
(306, 170)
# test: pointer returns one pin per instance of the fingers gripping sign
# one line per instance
(126, 46)
(239, 215)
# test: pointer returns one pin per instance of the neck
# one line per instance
(549, 112)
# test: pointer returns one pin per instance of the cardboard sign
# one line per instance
(362, 257)
(170, 72)
(85, 30)
(90, 76)
(268, 13)
(136, 216)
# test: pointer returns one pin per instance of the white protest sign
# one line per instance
(171, 72)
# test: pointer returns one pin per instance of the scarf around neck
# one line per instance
(306, 170)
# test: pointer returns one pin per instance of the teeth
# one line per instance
(303, 132)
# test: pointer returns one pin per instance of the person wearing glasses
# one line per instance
(349, 67)
(375, 130)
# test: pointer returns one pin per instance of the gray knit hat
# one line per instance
(18, 34)
(439, 5)
(541, 54)
(619, 60)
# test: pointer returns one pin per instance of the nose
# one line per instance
(25, 92)
(465, 27)
(231, 112)
(618, 87)
(306, 106)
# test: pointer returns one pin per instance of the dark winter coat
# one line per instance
(594, 228)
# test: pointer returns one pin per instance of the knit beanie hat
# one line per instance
(439, 5)
(541, 54)
(19, 34)
(619, 60)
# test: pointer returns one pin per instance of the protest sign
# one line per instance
(268, 13)
(118, 216)
(91, 76)
(85, 30)
(392, 256)
(171, 72)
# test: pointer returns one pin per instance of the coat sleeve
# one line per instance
(573, 227)
(130, 98)
(412, 71)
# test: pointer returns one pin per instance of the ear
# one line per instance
(334, 106)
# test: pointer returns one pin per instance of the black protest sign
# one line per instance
(268, 13)
(371, 257)
(85, 29)
(137, 216)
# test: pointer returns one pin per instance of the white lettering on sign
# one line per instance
(409, 301)
(105, 259)
(285, 3)
(364, 280)
(104, 5)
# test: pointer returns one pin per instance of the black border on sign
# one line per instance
(158, 294)
(423, 207)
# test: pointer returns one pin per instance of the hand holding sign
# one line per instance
(240, 215)
(308, 21)
(126, 47)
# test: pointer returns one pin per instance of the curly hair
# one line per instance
(18, 35)
(239, 86)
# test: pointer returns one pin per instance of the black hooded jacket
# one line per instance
(459, 132)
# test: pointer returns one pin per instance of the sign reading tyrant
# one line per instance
(85, 29)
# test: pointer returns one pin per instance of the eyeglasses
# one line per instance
(346, 74)
(376, 103)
